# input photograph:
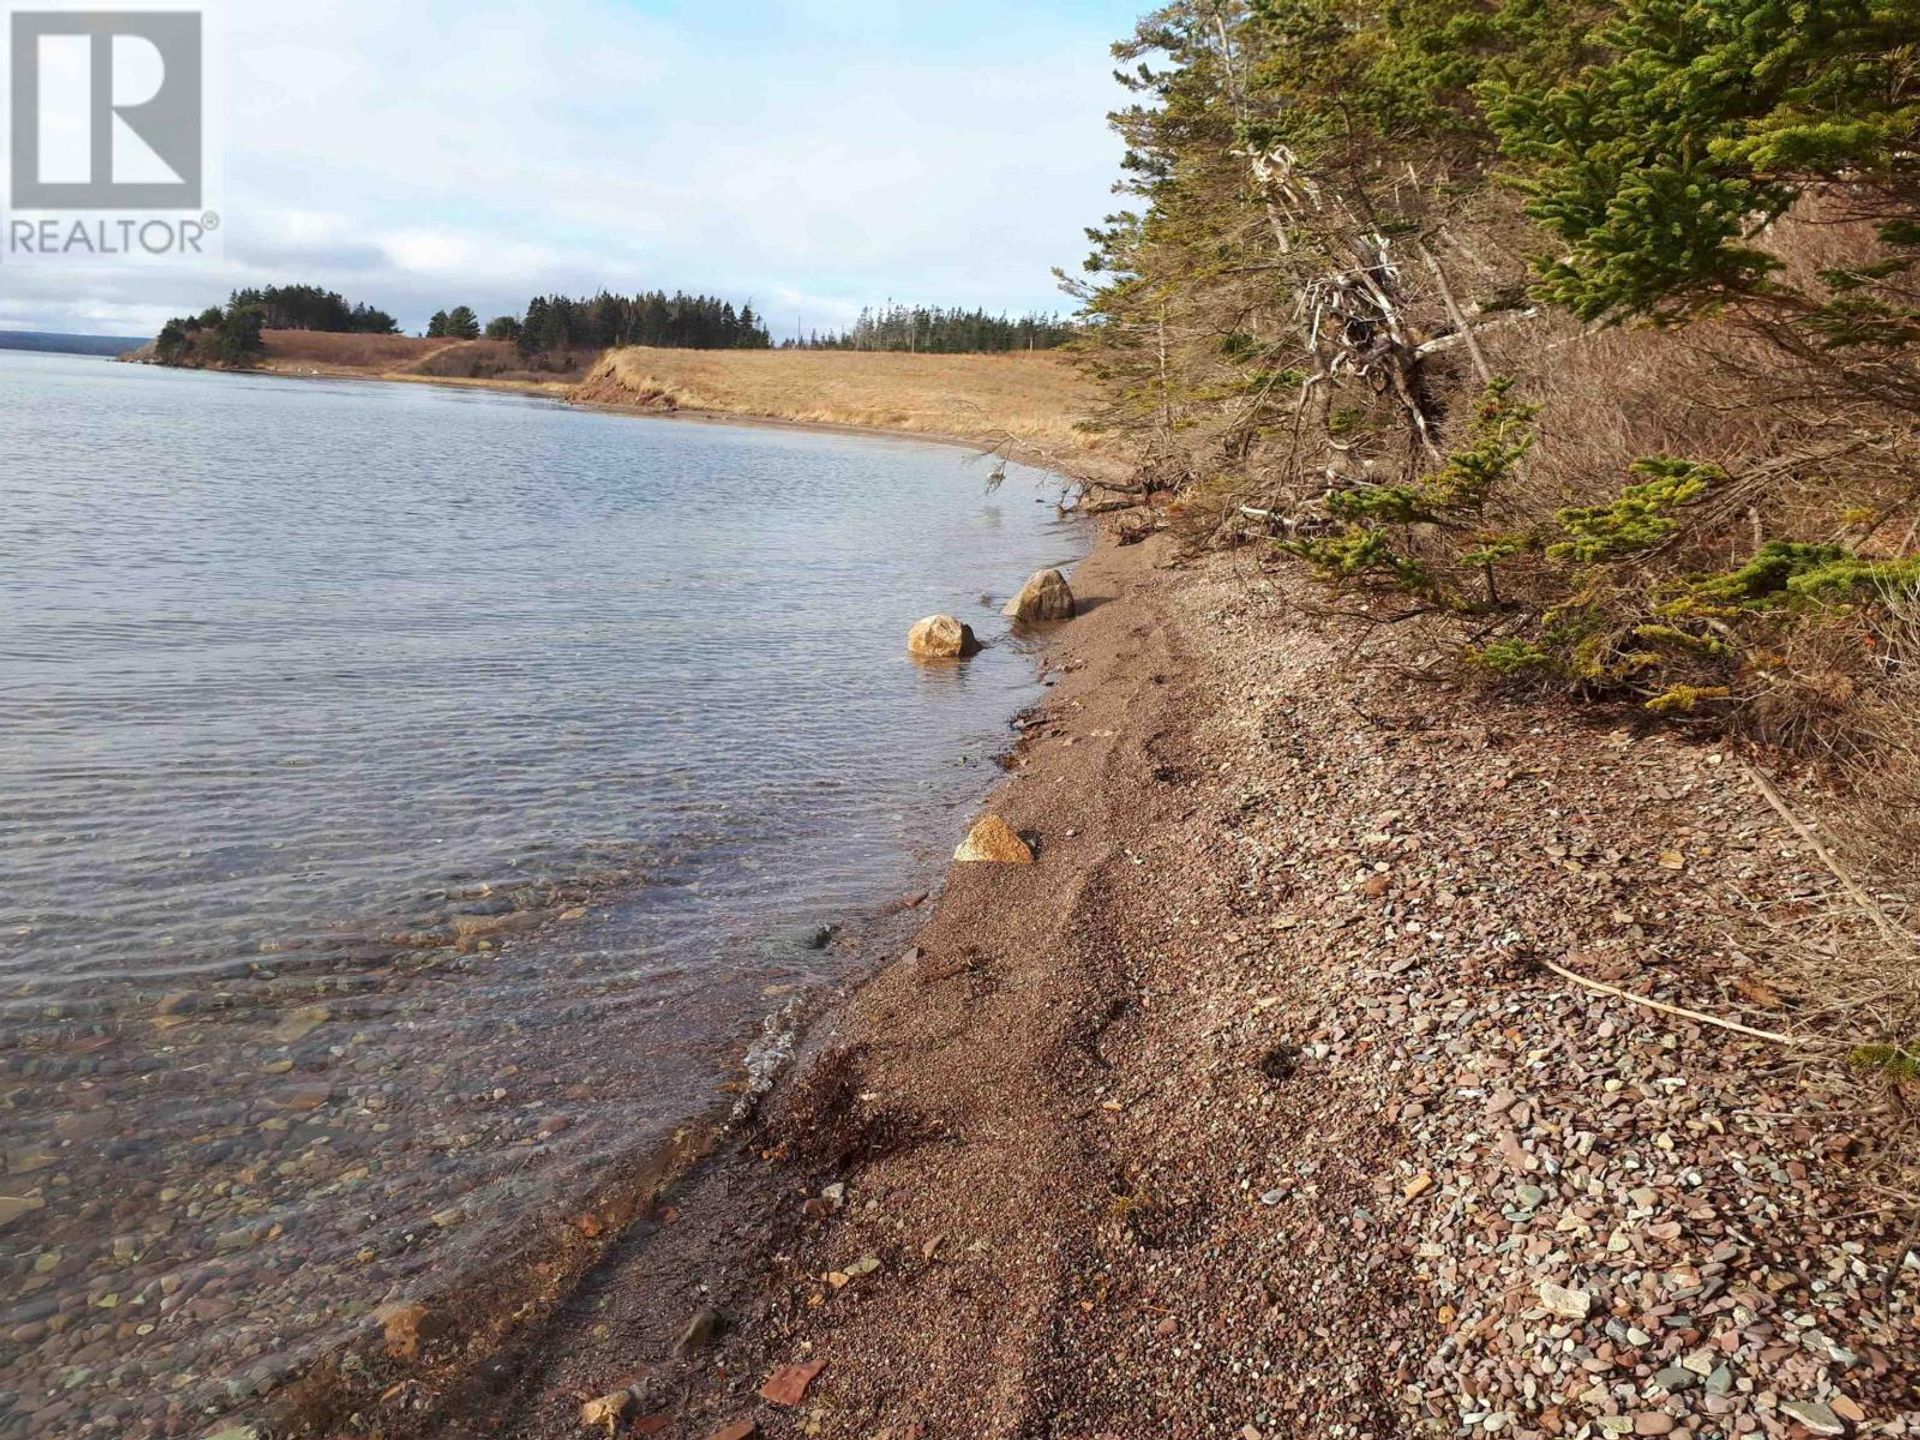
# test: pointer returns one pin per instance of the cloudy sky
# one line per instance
(809, 155)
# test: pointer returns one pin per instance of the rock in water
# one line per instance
(941, 637)
(1046, 596)
(992, 841)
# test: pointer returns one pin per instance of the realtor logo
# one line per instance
(108, 110)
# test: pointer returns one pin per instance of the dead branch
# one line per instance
(1667, 1009)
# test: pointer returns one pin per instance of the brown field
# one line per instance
(1033, 400)
(407, 357)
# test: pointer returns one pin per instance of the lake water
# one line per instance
(412, 801)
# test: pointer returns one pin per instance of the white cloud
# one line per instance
(824, 152)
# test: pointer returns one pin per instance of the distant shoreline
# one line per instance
(1024, 405)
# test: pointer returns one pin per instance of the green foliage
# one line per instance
(461, 324)
(1359, 552)
(308, 307)
(554, 323)
(1759, 584)
(503, 327)
(1703, 120)
(1850, 578)
(237, 338)
(1512, 657)
(1686, 699)
(1641, 518)
(1451, 498)
(934, 330)
(1897, 1062)
(1497, 441)
(1311, 218)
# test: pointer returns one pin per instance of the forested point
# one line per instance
(935, 331)
(230, 334)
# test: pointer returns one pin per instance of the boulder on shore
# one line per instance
(992, 841)
(941, 637)
(1047, 596)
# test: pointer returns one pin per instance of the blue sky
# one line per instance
(812, 155)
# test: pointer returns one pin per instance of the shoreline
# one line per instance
(1080, 464)
(1247, 1111)
(624, 1180)
(684, 1208)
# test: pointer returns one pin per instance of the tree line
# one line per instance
(937, 331)
(677, 321)
(308, 307)
(556, 324)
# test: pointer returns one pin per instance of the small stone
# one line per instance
(993, 841)
(1674, 1378)
(302, 1023)
(1531, 1197)
(1816, 1417)
(738, 1430)
(12, 1207)
(477, 927)
(1573, 1304)
(400, 1328)
(1653, 1422)
(608, 1411)
(1417, 1186)
(1847, 1410)
(788, 1385)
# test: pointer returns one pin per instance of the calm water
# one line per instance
(410, 799)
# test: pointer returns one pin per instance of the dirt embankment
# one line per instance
(1251, 1108)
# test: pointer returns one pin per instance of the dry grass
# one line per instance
(1033, 400)
(406, 357)
(358, 354)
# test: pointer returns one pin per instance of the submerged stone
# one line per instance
(941, 637)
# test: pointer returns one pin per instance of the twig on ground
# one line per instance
(1667, 1009)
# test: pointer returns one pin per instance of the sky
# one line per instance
(810, 156)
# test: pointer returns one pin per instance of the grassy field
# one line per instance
(1033, 399)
